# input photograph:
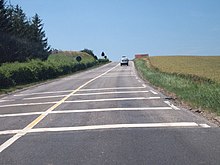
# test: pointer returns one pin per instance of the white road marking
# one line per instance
(79, 101)
(115, 126)
(139, 81)
(87, 110)
(86, 94)
(99, 127)
(144, 85)
(1, 101)
(171, 105)
(204, 125)
(118, 76)
(116, 88)
(43, 97)
(39, 93)
(113, 99)
(43, 115)
(66, 91)
(27, 104)
(155, 93)
(104, 93)
(20, 114)
(112, 109)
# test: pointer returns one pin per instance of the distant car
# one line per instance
(124, 60)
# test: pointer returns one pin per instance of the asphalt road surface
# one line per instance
(104, 116)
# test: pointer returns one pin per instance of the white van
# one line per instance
(124, 60)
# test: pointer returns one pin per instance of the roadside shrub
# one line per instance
(12, 74)
(103, 60)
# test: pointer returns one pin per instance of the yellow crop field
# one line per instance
(202, 66)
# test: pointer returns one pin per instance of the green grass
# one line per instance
(202, 93)
(17, 75)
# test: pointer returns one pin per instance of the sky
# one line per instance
(129, 27)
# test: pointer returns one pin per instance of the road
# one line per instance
(106, 115)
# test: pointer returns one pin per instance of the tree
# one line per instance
(4, 21)
(4, 28)
(38, 39)
(21, 39)
(90, 52)
(103, 54)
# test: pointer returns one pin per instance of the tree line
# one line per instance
(21, 38)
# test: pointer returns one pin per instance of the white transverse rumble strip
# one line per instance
(102, 127)
(80, 101)
(67, 91)
(89, 111)
(87, 94)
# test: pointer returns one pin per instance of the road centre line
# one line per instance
(87, 94)
(101, 127)
(88, 110)
(66, 91)
(42, 116)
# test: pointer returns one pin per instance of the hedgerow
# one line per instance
(12, 74)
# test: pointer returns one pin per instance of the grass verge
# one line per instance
(198, 93)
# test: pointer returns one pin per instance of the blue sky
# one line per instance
(128, 27)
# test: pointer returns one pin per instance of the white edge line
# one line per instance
(171, 105)
(98, 127)
(204, 125)
(155, 93)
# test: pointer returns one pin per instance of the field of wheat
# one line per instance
(202, 66)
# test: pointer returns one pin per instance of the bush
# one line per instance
(12, 74)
